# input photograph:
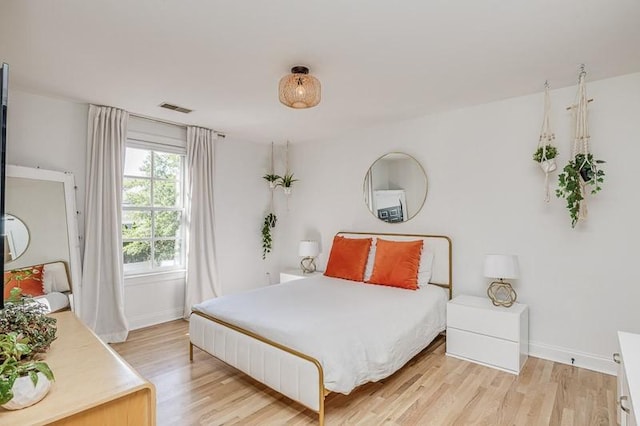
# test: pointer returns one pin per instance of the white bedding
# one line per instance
(358, 332)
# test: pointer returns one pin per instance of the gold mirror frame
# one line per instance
(403, 208)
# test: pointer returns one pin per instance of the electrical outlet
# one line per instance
(573, 361)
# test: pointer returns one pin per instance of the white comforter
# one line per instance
(358, 332)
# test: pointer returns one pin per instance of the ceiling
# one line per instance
(377, 60)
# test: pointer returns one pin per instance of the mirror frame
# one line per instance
(426, 191)
(75, 268)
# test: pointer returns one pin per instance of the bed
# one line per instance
(308, 338)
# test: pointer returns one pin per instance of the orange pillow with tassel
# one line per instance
(397, 263)
(28, 279)
(348, 258)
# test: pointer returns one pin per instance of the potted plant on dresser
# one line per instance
(26, 332)
(24, 381)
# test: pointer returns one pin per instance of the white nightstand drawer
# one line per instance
(484, 349)
(486, 319)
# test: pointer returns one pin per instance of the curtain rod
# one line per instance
(160, 120)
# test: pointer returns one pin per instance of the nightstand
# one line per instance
(489, 335)
(295, 274)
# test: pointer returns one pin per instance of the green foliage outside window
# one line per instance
(164, 170)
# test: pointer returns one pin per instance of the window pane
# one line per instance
(136, 192)
(137, 162)
(167, 224)
(165, 193)
(167, 253)
(136, 224)
(166, 166)
(137, 255)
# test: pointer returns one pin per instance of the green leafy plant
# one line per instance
(271, 178)
(267, 242)
(582, 167)
(287, 180)
(550, 152)
(16, 361)
(28, 318)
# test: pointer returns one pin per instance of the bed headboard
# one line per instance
(442, 274)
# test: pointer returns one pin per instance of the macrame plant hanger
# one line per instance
(272, 186)
(547, 138)
(581, 138)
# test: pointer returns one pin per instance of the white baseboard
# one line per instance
(141, 321)
(580, 359)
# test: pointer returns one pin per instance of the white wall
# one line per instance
(487, 194)
(51, 134)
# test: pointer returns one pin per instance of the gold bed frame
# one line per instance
(322, 391)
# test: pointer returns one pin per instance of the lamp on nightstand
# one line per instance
(501, 266)
(308, 250)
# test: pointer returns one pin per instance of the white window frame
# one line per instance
(137, 143)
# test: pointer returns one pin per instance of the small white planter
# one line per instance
(272, 184)
(25, 394)
(287, 190)
(548, 166)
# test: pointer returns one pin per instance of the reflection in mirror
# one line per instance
(16, 238)
(395, 187)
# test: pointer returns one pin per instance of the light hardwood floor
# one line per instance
(432, 389)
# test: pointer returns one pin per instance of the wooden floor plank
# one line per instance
(432, 389)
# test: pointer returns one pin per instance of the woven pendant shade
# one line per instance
(299, 89)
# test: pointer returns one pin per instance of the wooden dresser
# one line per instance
(93, 386)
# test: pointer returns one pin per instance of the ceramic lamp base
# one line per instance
(502, 294)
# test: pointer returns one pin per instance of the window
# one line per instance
(152, 210)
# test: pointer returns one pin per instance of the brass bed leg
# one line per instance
(190, 351)
(321, 411)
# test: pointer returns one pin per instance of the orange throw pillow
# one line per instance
(397, 263)
(28, 279)
(348, 258)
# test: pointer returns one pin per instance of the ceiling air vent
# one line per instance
(177, 108)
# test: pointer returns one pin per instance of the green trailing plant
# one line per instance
(16, 361)
(267, 242)
(28, 318)
(287, 180)
(550, 151)
(583, 167)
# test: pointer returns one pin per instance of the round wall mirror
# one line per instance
(395, 187)
(16, 238)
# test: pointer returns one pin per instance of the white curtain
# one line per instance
(202, 274)
(102, 306)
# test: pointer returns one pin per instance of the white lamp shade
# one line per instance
(501, 266)
(308, 248)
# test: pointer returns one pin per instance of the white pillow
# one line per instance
(55, 278)
(425, 269)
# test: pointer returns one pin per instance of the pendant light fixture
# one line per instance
(299, 89)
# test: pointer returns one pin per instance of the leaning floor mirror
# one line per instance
(41, 244)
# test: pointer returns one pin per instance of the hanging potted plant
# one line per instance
(23, 380)
(267, 242)
(545, 155)
(272, 179)
(286, 182)
(582, 170)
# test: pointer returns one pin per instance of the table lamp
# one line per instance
(501, 266)
(308, 250)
